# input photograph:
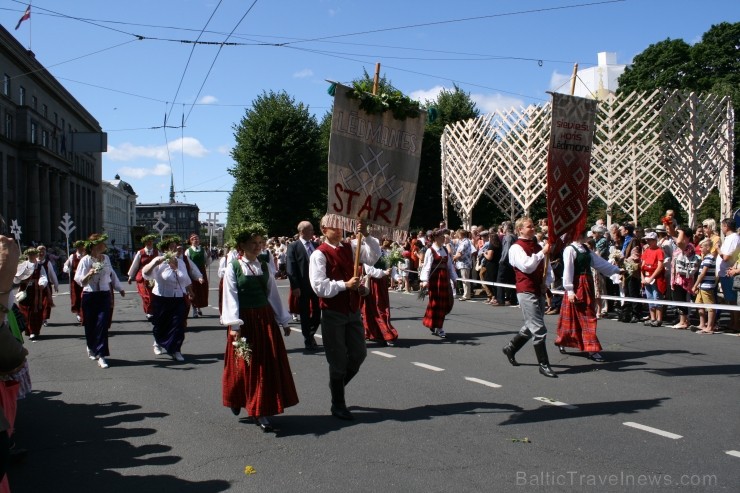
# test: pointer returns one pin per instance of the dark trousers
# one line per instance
(506, 276)
(310, 312)
(169, 322)
(344, 342)
(632, 289)
(557, 284)
(95, 315)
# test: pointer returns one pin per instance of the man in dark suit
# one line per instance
(300, 284)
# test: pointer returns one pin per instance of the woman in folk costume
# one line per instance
(253, 310)
(200, 259)
(70, 268)
(170, 295)
(31, 280)
(376, 307)
(437, 274)
(48, 265)
(142, 258)
(577, 323)
(95, 275)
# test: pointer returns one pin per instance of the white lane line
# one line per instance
(733, 453)
(385, 355)
(662, 433)
(483, 382)
(428, 367)
(553, 402)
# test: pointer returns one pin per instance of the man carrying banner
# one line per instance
(333, 278)
(373, 169)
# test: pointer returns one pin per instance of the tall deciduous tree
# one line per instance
(280, 177)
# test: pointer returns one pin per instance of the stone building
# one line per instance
(182, 218)
(50, 151)
(119, 212)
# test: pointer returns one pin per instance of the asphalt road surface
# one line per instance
(431, 415)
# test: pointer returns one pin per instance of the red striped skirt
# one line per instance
(376, 312)
(577, 323)
(264, 387)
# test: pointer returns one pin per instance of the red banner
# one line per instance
(568, 165)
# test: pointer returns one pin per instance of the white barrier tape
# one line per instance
(687, 304)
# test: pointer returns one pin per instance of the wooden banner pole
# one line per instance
(573, 80)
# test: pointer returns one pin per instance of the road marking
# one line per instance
(666, 434)
(428, 367)
(483, 382)
(733, 453)
(385, 355)
(553, 402)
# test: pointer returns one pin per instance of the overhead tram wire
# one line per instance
(216, 58)
(190, 56)
(452, 21)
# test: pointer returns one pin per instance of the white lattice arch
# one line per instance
(645, 144)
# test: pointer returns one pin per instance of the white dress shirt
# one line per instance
(426, 269)
(328, 288)
(102, 281)
(169, 282)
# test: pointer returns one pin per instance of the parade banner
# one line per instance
(373, 167)
(568, 165)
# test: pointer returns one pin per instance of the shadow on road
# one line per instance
(611, 408)
(325, 423)
(73, 447)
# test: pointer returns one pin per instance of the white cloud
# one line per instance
(488, 103)
(224, 149)
(558, 82)
(424, 95)
(208, 99)
(189, 146)
(158, 170)
(302, 74)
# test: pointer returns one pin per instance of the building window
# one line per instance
(33, 132)
(34, 102)
(45, 138)
(6, 85)
(22, 94)
(45, 110)
(8, 126)
(56, 119)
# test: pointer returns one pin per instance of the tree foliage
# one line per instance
(278, 168)
(712, 65)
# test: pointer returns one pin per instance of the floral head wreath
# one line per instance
(245, 232)
(148, 238)
(165, 243)
(78, 243)
(95, 239)
(30, 251)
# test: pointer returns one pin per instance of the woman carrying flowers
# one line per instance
(31, 280)
(95, 275)
(252, 310)
(376, 307)
(169, 298)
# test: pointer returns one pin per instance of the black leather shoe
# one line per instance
(635, 320)
(342, 413)
(596, 357)
(312, 347)
(236, 410)
(390, 343)
(509, 352)
(264, 424)
(547, 371)
(562, 350)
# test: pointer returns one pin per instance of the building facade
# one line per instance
(119, 212)
(181, 218)
(43, 175)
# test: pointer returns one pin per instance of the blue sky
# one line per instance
(506, 53)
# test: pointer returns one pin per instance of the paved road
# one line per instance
(432, 415)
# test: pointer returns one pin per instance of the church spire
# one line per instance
(172, 188)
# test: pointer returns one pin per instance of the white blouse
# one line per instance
(230, 308)
(102, 281)
(169, 282)
(426, 269)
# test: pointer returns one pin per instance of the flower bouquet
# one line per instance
(242, 349)
(616, 257)
(393, 258)
(630, 266)
(97, 267)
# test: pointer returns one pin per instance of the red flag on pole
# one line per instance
(568, 166)
(26, 15)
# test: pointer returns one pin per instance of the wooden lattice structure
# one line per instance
(645, 144)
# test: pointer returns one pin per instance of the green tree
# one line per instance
(278, 168)
(666, 64)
